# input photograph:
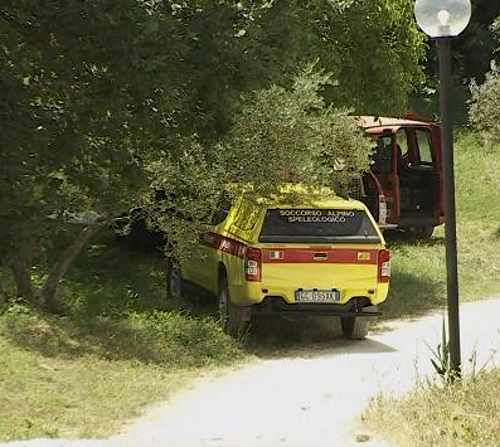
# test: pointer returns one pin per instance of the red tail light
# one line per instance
(384, 266)
(253, 264)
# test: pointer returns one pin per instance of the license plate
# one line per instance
(317, 296)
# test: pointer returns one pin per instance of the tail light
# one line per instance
(382, 210)
(384, 266)
(253, 264)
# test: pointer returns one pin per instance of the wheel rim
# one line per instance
(175, 281)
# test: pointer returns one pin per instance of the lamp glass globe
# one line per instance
(443, 18)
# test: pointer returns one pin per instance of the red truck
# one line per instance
(404, 187)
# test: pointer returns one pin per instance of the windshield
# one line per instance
(318, 225)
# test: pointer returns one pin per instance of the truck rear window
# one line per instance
(317, 226)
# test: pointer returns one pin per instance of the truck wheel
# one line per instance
(354, 328)
(175, 283)
(231, 318)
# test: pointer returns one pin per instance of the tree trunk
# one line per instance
(47, 294)
(21, 263)
(3, 297)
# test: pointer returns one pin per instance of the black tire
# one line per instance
(230, 317)
(354, 328)
(175, 283)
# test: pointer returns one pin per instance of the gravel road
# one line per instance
(303, 398)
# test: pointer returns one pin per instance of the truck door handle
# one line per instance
(320, 256)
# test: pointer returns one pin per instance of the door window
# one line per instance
(424, 146)
(382, 157)
(402, 142)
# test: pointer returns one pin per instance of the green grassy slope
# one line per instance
(465, 414)
(86, 373)
(116, 349)
(418, 282)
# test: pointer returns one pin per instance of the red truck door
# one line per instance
(385, 169)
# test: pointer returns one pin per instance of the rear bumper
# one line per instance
(253, 294)
(356, 307)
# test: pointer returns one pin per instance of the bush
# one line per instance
(484, 111)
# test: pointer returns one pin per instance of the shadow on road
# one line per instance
(276, 337)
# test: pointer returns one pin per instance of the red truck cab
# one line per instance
(404, 187)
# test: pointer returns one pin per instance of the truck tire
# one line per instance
(231, 319)
(354, 328)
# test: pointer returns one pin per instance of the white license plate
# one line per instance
(317, 296)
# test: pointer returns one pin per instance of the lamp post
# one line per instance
(443, 20)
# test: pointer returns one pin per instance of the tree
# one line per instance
(305, 139)
(484, 112)
(108, 104)
(473, 52)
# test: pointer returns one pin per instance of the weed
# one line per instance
(441, 359)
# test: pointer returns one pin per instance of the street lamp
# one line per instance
(443, 20)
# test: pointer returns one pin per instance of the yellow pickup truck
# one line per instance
(318, 254)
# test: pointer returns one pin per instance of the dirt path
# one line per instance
(303, 398)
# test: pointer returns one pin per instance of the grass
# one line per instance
(466, 413)
(120, 346)
(418, 284)
(461, 415)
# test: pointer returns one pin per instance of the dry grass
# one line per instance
(79, 397)
(461, 415)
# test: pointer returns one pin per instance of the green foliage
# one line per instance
(291, 134)
(376, 48)
(111, 104)
(484, 111)
(473, 53)
(474, 50)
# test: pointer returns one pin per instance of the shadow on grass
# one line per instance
(169, 339)
(411, 296)
(116, 307)
(110, 279)
(399, 238)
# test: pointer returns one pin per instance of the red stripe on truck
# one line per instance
(280, 255)
(283, 255)
(224, 244)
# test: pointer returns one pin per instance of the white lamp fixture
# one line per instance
(443, 18)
